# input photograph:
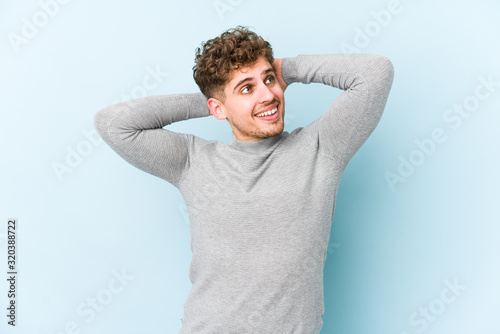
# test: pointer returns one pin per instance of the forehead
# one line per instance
(252, 71)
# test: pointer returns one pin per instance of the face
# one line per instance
(254, 102)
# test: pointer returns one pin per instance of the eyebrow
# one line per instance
(270, 69)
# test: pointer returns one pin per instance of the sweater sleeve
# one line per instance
(134, 129)
(351, 118)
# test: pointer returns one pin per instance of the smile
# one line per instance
(268, 113)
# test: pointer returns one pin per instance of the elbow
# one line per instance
(380, 80)
(99, 121)
(102, 122)
(386, 68)
(381, 74)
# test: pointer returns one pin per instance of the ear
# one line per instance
(216, 108)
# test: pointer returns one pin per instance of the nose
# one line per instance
(265, 94)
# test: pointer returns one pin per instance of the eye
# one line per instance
(246, 89)
(270, 79)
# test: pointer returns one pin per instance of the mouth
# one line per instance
(269, 113)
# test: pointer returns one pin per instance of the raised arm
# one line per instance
(350, 119)
(134, 129)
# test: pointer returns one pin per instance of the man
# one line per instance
(261, 207)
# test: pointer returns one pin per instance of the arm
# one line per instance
(134, 129)
(351, 118)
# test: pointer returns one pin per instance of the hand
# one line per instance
(277, 70)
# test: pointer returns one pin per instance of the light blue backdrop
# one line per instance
(104, 247)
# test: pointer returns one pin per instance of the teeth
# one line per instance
(267, 113)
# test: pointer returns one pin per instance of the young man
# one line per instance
(261, 207)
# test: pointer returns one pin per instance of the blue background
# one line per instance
(394, 249)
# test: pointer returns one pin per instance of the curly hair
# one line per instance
(234, 48)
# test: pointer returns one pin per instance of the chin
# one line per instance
(277, 131)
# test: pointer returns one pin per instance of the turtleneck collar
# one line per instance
(256, 145)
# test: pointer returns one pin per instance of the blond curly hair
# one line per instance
(234, 48)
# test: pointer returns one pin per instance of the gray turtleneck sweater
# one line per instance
(260, 212)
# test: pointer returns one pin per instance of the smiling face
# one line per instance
(253, 104)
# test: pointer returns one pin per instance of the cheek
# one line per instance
(246, 107)
(241, 110)
(278, 92)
